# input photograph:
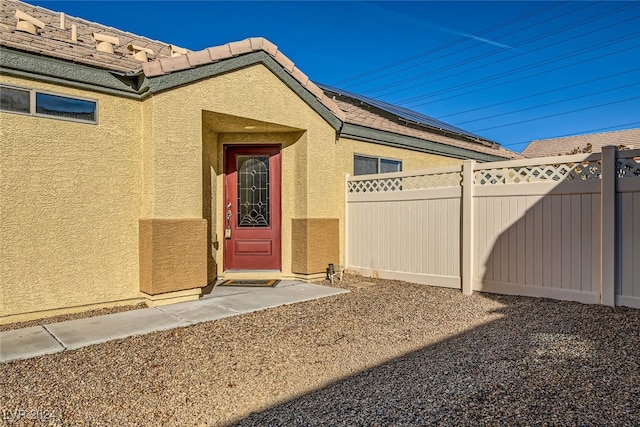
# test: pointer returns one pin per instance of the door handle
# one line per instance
(227, 230)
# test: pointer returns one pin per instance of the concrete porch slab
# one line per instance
(25, 343)
(93, 330)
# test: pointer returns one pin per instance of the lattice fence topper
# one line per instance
(540, 173)
(628, 168)
(416, 182)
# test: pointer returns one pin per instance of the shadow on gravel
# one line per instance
(544, 363)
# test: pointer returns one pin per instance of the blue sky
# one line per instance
(511, 71)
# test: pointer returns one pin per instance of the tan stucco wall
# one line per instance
(411, 160)
(172, 255)
(315, 245)
(72, 194)
(175, 127)
(69, 206)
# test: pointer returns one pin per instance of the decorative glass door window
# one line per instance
(253, 191)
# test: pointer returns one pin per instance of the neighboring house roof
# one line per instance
(629, 138)
(419, 132)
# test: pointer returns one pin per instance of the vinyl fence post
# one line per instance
(466, 205)
(608, 227)
(346, 221)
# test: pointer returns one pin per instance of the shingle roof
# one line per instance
(630, 138)
(375, 114)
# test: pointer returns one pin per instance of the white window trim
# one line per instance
(32, 105)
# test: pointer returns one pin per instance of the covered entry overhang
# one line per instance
(242, 194)
(251, 101)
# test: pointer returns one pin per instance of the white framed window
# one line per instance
(45, 104)
(365, 165)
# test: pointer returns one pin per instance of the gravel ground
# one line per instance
(388, 353)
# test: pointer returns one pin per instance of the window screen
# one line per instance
(16, 100)
(364, 165)
(387, 165)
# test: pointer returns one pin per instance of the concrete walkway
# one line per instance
(221, 302)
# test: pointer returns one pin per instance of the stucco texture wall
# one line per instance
(72, 194)
(69, 206)
(178, 130)
(411, 160)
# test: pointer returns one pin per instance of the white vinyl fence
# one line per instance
(565, 227)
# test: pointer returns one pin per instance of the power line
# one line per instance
(449, 54)
(591, 107)
(448, 76)
(518, 70)
(556, 89)
(492, 53)
(548, 103)
(447, 45)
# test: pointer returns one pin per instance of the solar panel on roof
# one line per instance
(404, 113)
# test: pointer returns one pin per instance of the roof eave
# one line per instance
(377, 136)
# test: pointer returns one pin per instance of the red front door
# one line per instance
(252, 208)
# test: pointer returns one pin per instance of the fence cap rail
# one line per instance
(628, 154)
(391, 175)
(551, 160)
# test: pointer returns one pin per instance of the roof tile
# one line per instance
(328, 102)
(56, 42)
(240, 47)
(177, 63)
(268, 47)
(219, 52)
(284, 61)
(300, 76)
(315, 90)
(152, 69)
(199, 57)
